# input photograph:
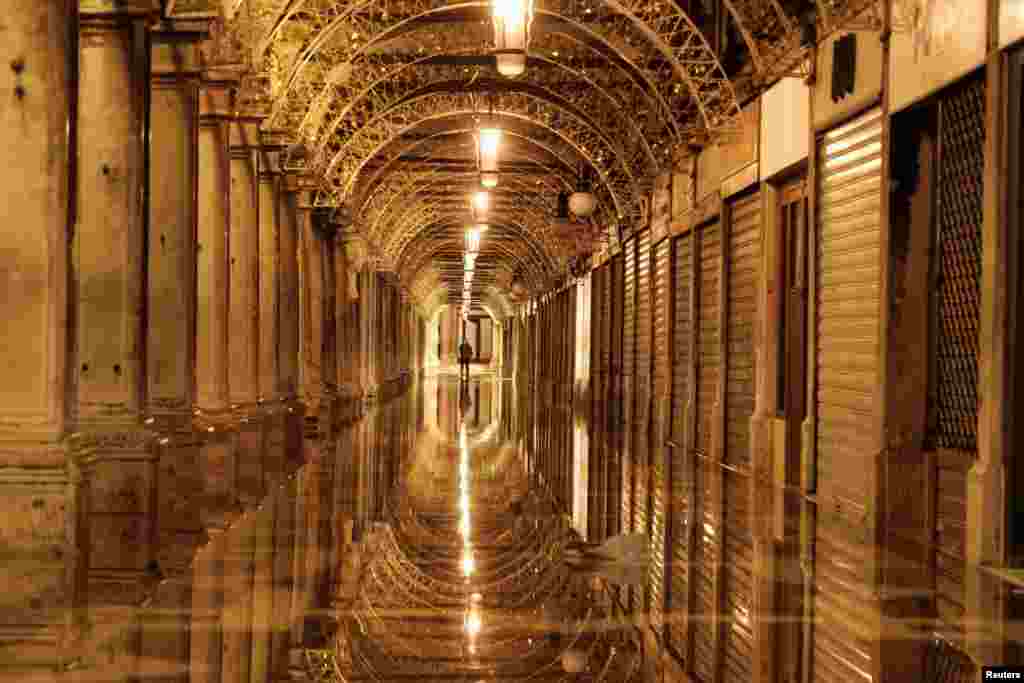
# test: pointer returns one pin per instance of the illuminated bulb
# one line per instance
(467, 568)
(511, 64)
(481, 201)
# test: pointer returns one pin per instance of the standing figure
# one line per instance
(465, 355)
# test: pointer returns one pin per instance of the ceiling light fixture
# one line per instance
(487, 146)
(512, 19)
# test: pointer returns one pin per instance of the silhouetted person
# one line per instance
(465, 355)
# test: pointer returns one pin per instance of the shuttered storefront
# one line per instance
(953, 403)
(743, 272)
(659, 452)
(708, 368)
(642, 397)
(615, 422)
(595, 517)
(628, 382)
(680, 475)
(848, 306)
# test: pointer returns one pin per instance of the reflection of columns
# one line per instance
(207, 602)
(237, 611)
(283, 577)
(263, 590)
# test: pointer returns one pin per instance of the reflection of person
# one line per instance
(465, 355)
(465, 400)
(622, 559)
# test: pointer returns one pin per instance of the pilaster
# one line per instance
(118, 543)
(36, 482)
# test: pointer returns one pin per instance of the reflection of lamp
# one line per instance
(512, 19)
(480, 202)
(473, 623)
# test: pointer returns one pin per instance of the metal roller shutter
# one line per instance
(708, 352)
(603, 412)
(743, 274)
(680, 474)
(596, 461)
(642, 383)
(615, 422)
(848, 306)
(703, 576)
(742, 278)
(662, 394)
(737, 564)
(629, 330)
(953, 404)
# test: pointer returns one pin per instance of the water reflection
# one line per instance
(468, 576)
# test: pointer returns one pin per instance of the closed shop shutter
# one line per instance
(742, 278)
(659, 452)
(680, 474)
(708, 352)
(705, 559)
(617, 336)
(848, 306)
(743, 274)
(629, 330)
(953, 404)
(642, 382)
(596, 460)
(604, 412)
(737, 568)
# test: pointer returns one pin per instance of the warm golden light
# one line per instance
(473, 623)
(468, 565)
(512, 19)
(489, 141)
(481, 201)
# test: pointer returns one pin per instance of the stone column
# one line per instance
(40, 576)
(212, 400)
(274, 409)
(170, 346)
(118, 518)
(244, 307)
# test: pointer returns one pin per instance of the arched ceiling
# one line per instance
(378, 102)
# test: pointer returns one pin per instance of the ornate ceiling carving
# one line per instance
(367, 94)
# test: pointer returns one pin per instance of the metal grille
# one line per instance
(616, 405)
(737, 564)
(642, 382)
(960, 192)
(679, 538)
(628, 382)
(706, 558)
(848, 306)
(708, 352)
(598, 370)
(744, 271)
(659, 452)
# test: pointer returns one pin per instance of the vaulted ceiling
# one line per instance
(378, 103)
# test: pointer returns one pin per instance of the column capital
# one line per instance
(90, 10)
